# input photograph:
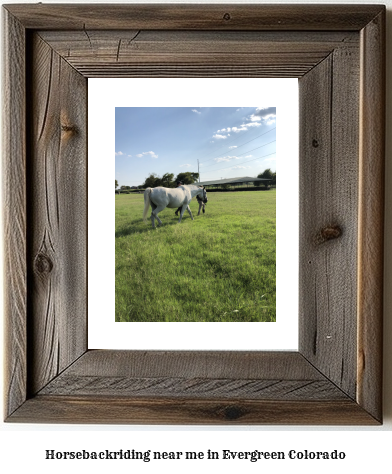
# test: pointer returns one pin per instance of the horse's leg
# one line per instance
(155, 213)
(190, 213)
(153, 207)
(200, 204)
(185, 206)
(204, 208)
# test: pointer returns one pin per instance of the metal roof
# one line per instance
(244, 179)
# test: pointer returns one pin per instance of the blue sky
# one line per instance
(228, 142)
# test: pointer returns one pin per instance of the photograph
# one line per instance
(195, 214)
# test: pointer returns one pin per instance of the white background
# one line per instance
(367, 449)
(103, 332)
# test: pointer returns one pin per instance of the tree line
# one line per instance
(187, 177)
(267, 174)
(167, 180)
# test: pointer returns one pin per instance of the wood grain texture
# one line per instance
(207, 374)
(193, 387)
(103, 409)
(190, 387)
(371, 216)
(205, 364)
(128, 53)
(195, 17)
(14, 209)
(328, 216)
(57, 215)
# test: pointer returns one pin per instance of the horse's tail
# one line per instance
(147, 202)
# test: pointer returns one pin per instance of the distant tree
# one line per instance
(167, 180)
(266, 174)
(152, 181)
(124, 190)
(188, 177)
(116, 184)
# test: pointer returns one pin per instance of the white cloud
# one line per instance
(262, 115)
(226, 158)
(265, 114)
(240, 167)
(270, 120)
(196, 111)
(232, 147)
(119, 153)
(230, 158)
(242, 128)
(245, 126)
(185, 166)
(151, 153)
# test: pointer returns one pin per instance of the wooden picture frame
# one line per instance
(338, 54)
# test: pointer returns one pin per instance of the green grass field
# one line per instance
(219, 267)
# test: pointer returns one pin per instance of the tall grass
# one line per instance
(219, 267)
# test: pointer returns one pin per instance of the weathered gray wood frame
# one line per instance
(337, 52)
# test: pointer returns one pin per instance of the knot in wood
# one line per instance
(68, 128)
(43, 264)
(328, 233)
(315, 143)
(227, 16)
(232, 412)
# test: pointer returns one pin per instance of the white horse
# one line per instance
(159, 198)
